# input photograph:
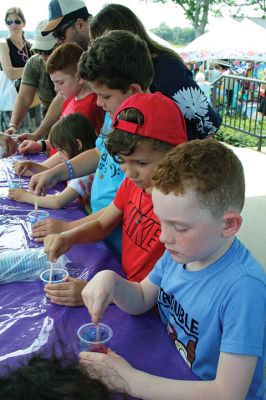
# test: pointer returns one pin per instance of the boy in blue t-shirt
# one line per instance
(209, 288)
(117, 65)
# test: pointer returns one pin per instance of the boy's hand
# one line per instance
(114, 371)
(23, 168)
(56, 245)
(29, 146)
(99, 293)
(26, 136)
(18, 194)
(9, 144)
(46, 227)
(67, 293)
(39, 183)
(11, 131)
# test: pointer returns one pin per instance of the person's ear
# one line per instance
(79, 24)
(232, 221)
(135, 88)
(79, 79)
(79, 144)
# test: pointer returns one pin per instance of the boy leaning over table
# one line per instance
(209, 288)
(145, 128)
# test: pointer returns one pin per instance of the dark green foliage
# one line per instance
(236, 138)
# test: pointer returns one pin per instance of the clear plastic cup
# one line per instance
(95, 337)
(15, 183)
(59, 275)
(34, 217)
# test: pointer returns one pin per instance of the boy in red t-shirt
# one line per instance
(145, 128)
(62, 68)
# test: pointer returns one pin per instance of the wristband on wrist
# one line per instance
(13, 126)
(70, 170)
(43, 143)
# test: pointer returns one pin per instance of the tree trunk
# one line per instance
(201, 16)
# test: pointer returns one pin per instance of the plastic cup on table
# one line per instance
(34, 216)
(58, 275)
(15, 183)
(95, 337)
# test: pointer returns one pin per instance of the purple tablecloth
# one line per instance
(29, 323)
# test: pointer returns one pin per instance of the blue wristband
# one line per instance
(70, 170)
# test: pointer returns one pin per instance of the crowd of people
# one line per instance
(127, 125)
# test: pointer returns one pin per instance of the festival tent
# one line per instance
(228, 40)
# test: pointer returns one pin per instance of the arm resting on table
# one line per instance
(83, 164)
(233, 379)
(92, 231)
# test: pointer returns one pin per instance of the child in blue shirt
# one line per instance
(114, 73)
(209, 288)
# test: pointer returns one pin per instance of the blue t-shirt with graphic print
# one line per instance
(218, 309)
(107, 179)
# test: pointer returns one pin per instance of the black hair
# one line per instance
(48, 379)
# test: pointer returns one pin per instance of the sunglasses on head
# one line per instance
(44, 52)
(61, 32)
(13, 21)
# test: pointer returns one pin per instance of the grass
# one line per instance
(230, 135)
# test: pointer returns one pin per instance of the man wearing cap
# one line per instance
(67, 22)
(35, 79)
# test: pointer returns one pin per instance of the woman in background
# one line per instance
(15, 51)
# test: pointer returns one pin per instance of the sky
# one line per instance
(151, 14)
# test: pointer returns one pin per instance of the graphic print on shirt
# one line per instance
(143, 230)
(194, 105)
(182, 328)
(187, 351)
(85, 199)
(107, 166)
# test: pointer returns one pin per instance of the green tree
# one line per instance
(176, 35)
(164, 31)
(197, 11)
(258, 5)
(186, 35)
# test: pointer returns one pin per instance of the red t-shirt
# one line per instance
(141, 247)
(86, 106)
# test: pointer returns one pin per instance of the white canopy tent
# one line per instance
(228, 40)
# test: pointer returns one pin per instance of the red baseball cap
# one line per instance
(163, 119)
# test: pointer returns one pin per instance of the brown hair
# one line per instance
(117, 59)
(64, 58)
(207, 167)
(15, 10)
(122, 142)
(66, 132)
(118, 17)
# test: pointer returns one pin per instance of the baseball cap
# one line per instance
(163, 119)
(62, 11)
(42, 43)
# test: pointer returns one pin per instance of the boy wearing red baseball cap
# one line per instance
(145, 128)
